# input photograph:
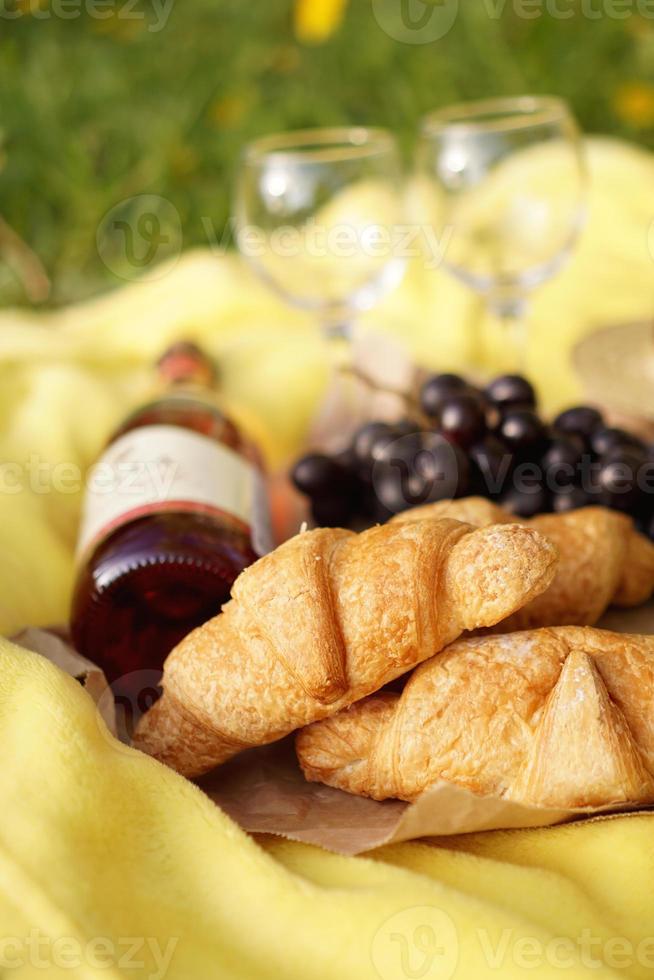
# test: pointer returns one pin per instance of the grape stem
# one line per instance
(409, 398)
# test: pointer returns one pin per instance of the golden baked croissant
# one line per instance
(603, 560)
(558, 717)
(327, 618)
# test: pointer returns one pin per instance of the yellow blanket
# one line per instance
(107, 858)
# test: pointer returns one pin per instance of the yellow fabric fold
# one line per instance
(105, 855)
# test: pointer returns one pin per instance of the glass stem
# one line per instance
(338, 336)
(513, 313)
(338, 330)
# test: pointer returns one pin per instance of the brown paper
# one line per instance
(264, 790)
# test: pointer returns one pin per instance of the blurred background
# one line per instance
(103, 100)
(121, 125)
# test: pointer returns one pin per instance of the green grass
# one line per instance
(94, 111)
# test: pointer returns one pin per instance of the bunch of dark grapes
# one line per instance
(490, 442)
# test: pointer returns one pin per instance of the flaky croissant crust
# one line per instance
(558, 717)
(603, 560)
(327, 618)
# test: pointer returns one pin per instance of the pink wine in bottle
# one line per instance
(175, 509)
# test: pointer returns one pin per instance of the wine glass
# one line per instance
(316, 213)
(503, 180)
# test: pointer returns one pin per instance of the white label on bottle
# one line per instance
(167, 468)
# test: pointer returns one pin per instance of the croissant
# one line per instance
(559, 717)
(603, 560)
(327, 618)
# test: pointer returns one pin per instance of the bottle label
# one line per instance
(164, 468)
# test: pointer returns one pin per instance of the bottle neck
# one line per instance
(184, 366)
(185, 394)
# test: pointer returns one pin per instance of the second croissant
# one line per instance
(554, 717)
(603, 560)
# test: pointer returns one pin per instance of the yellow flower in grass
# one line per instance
(316, 20)
(634, 104)
(229, 110)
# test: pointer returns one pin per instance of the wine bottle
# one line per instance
(175, 508)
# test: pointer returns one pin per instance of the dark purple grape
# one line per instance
(379, 514)
(618, 477)
(492, 464)
(566, 438)
(563, 451)
(405, 427)
(332, 511)
(511, 389)
(562, 464)
(462, 419)
(645, 481)
(398, 450)
(347, 460)
(500, 411)
(527, 501)
(605, 439)
(444, 467)
(436, 389)
(570, 499)
(526, 493)
(400, 440)
(367, 502)
(317, 474)
(580, 420)
(366, 438)
(478, 395)
(637, 452)
(522, 432)
(418, 472)
(398, 490)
